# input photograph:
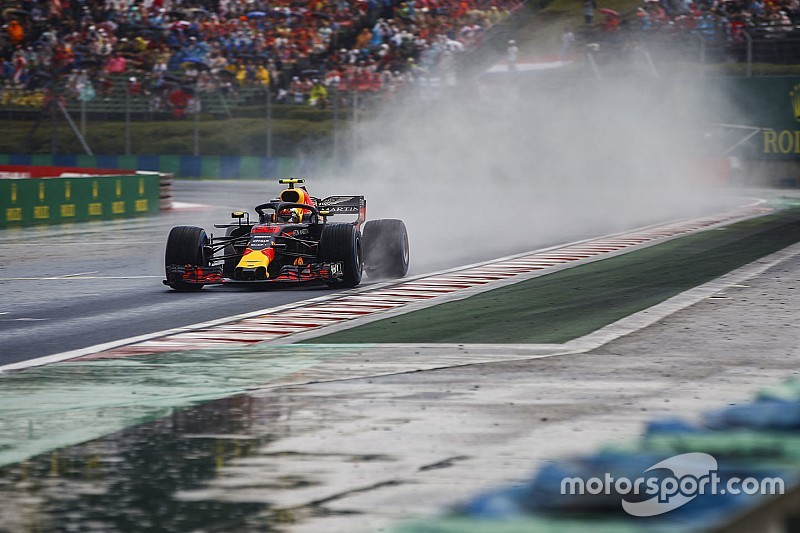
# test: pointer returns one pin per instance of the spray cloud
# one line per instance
(529, 163)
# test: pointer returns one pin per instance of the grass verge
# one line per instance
(558, 307)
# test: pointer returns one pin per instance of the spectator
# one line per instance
(115, 64)
(86, 91)
(135, 86)
(20, 63)
(262, 75)
(363, 40)
(588, 10)
(179, 100)
(105, 86)
(15, 32)
(318, 96)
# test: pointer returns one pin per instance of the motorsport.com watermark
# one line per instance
(693, 474)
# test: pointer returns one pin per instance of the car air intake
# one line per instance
(290, 195)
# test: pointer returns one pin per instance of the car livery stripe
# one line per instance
(286, 325)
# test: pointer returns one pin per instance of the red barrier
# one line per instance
(30, 171)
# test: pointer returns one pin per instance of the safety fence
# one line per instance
(35, 195)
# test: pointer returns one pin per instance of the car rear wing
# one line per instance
(344, 205)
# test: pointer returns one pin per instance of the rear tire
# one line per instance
(342, 242)
(386, 252)
(186, 246)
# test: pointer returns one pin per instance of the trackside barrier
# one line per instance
(165, 190)
(181, 166)
(743, 458)
(78, 197)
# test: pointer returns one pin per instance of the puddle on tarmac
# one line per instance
(137, 479)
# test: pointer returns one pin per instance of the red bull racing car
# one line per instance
(292, 241)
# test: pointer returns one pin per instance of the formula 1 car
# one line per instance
(291, 242)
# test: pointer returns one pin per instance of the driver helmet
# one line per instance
(291, 215)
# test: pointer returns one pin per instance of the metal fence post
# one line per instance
(335, 124)
(749, 54)
(196, 149)
(53, 125)
(354, 111)
(127, 119)
(702, 49)
(269, 120)
(83, 117)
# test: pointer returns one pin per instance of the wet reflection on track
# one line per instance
(213, 467)
(129, 481)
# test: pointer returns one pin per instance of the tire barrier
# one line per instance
(753, 450)
(28, 196)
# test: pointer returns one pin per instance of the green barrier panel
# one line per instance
(129, 162)
(170, 164)
(210, 167)
(42, 160)
(287, 166)
(25, 202)
(86, 161)
(250, 167)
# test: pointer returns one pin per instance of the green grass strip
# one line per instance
(558, 307)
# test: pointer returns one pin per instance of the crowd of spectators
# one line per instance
(302, 51)
(724, 20)
(169, 50)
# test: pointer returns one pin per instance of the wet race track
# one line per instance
(73, 286)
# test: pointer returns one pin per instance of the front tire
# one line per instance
(386, 252)
(342, 242)
(186, 246)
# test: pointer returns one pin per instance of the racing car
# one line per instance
(292, 241)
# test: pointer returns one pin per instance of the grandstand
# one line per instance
(162, 54)
(157, 60)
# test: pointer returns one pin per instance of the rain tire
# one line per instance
(342, 242)
(386, 252)
(186, 246)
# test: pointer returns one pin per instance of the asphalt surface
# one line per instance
(73, 286)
